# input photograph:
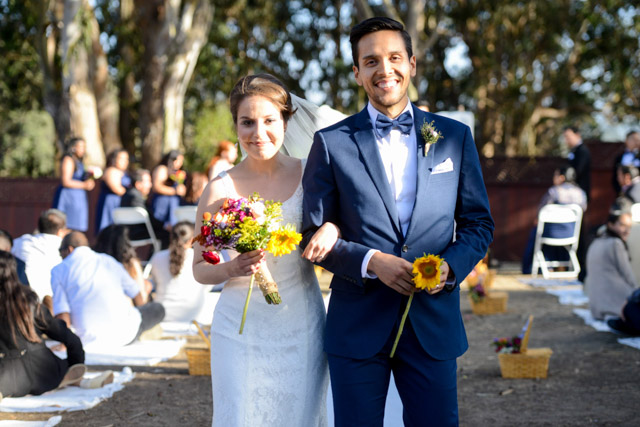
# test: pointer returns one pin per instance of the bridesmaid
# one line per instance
(167, 187)
(71, 195)
(115, 182)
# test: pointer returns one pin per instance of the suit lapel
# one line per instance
(424, 167)
(366, 141)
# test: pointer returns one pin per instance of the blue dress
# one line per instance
(74, 201)
(107, 202)
(163, 206)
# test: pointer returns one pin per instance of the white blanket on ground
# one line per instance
(598, 325)
(140, 353)
(67, 398)
(570, 296)
(544, 283)
(176, 329)
(631, 342)
(53, 421)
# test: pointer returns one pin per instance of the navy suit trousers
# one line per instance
(427, 387)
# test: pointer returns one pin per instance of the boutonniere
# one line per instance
(430, 134)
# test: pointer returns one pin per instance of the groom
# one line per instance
(394, 198)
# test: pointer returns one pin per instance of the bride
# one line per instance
(275, 373)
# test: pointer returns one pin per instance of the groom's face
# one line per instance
(384, 70)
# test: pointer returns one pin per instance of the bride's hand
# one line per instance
(322, 242)
(246, 264)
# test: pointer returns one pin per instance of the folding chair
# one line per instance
(635, 212)
(185, 213)
(130, 216)
(557, 214)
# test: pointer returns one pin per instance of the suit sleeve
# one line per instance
(474, 225)
(320, 205)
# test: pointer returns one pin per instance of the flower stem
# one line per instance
(404, 318)
(246, 304)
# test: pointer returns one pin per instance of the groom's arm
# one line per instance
(474, 225)
(320, 205)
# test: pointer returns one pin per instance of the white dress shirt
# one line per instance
(40, 253)
(398, 153)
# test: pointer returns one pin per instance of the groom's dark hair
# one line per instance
(373, 25)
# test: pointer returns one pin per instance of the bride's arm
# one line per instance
(322, 242)
(243, 265)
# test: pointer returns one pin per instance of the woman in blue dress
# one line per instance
(71, 195)
(167, 187)
(115, 182)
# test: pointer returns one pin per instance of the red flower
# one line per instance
(205, 231)
(211, 257)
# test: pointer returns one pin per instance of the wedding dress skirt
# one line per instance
(275, 373)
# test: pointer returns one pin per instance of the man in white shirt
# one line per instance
(40, 251)
(92, 292)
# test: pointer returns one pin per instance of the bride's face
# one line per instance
(260, 127)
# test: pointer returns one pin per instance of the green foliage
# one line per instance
(211, 126)
(27, 142)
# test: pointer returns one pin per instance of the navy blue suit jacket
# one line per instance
(345, 183)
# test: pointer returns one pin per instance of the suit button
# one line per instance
(405, 248)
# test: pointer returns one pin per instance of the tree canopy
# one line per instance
(153, 70)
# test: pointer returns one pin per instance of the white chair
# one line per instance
(635, 212)
(131, 216)
(557, 214)
(185, 213)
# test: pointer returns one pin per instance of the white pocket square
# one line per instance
(446, 166)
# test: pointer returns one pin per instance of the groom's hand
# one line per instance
(393, 271)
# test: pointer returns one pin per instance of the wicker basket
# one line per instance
(492, 303)
(529, 363)
(199, 359)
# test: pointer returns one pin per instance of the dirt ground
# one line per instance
(593, 380)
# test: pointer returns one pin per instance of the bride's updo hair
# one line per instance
(264, 85)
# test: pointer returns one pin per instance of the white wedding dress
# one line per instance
(275, 373)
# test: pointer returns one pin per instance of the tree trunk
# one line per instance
(127, 93)
(174, 34)
(49, 15)
(77, 81)
(106, 98)
(194, 28)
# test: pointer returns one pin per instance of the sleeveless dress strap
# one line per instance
(229, 189)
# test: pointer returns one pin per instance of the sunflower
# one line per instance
(283, 241)
(426, 271)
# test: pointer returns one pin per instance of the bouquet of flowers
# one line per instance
(475, 281)
(245, 225)
(178, 176)
(508, 345)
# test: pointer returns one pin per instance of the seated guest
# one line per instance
(115, 182)
(27, 366)
(136, 197)
(630, 156)
(629, 180)
(195, 183)
(6, 243)
(610, 279)
(563, 192)
(114, 240)
(40, 251)
(89, 291)
(629, 323)
(171, 271)
(168, 187)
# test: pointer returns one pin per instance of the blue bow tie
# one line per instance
(384, 124)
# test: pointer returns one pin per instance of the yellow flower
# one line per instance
(283, 241)
(426, 271)
(206, 217)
